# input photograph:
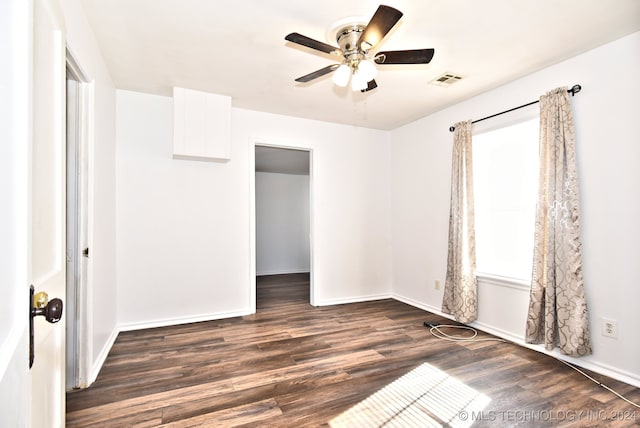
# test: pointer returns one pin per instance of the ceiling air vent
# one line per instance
(446, 79)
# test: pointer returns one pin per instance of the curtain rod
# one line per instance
(574, 90)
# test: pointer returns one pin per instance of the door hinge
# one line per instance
(85, 252)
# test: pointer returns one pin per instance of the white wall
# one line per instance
(605, 113)
(282, 223)
(101, 311)
(183, 227)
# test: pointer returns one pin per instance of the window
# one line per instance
(505, 174)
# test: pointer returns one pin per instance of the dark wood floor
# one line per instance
(291, 364)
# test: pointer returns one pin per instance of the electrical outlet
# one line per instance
(437, 285)
(610, 327)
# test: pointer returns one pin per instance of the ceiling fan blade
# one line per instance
(370, 86)
(318, 73)
(415, 56)
(311, 43)
(381, 23)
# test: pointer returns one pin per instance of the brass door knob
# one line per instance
(50, 310)
(40, 305)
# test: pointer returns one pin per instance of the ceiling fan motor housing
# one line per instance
(348, 38)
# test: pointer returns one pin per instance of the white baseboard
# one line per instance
(102, 357)
(357, 299)
(597, 367)
(182, 320)
(585, 362)
(420, 305)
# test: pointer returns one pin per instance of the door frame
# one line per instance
(269, 142)
(77, 298)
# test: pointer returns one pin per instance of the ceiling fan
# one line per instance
(356, 41)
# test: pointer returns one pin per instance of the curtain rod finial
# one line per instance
(575, 89)
(452, 128)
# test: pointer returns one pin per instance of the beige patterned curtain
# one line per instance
(461, 289)
(557, 308)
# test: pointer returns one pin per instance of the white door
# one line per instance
(15, 84)
(32, 213)
(48, 258)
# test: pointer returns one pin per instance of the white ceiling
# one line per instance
(237, 48)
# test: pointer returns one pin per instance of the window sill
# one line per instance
(503, 281)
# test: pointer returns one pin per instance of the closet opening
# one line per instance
(282, 204)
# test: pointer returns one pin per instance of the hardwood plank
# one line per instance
(260, 411)
(291, 364)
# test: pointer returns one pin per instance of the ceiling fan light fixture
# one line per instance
(358, 82)
(367, 70)
(341, 75)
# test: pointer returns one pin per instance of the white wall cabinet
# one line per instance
(201, 125)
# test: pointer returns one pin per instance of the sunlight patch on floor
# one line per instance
(424, 397)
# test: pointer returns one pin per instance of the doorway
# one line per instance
(282, 235)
